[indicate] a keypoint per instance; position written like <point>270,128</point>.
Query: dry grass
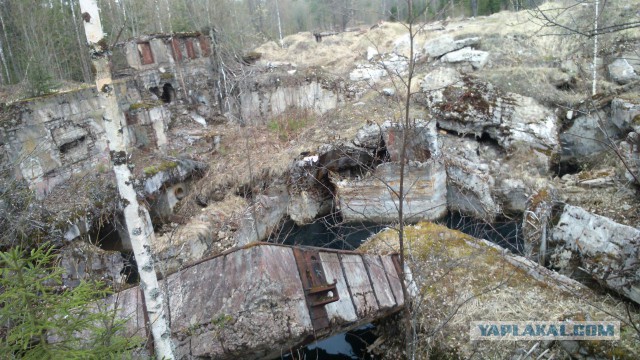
<point>461,277</point>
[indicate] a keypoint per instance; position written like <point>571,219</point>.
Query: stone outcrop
<point>83,261</point>
<point>589,134</point>
<point>463,279</point>
<point>476,58</point>
<point>446,44</point>
<point>373,195</point>
<point>475,107</point>
<point>630,149</point>
<point>271,93</point>
<point>469,189</point>
<point>625,114</point>
<point>606,250</point>
<point>517,146</point>
<point>622,72</point>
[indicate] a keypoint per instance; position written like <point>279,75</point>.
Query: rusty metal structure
<point>263,300</point>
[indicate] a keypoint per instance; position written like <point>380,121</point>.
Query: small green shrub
<point>40,82</point>
<point>154,169</point>
<point>42,320</point>
<point>289,125</point>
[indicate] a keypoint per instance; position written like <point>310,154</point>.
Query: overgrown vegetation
<point>290,124</point>
<point>40,319</point>
<point>164,166</point>
<point>40,81</point>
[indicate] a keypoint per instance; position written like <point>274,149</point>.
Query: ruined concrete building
<point>51,140</point>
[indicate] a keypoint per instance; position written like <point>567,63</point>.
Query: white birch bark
<point>279,24</point>
<point>136,217</point>
<point>8,45</point>
<point>4,63</point>
<point>595,48</point>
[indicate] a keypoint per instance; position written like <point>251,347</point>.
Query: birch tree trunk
<point>136,217</point>
<point>279,23</point>
<point>4,64</point>
<point>595,49</point>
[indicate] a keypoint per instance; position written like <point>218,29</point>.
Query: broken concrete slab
<point>445,44</point>
<point>373,198</point>
<point>477,58</point>
<point>606,250</point>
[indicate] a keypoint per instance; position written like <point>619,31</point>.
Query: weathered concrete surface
<point>608,251</point>
<point>476,58</point>
<point>49,139</point>
<point>270,94</point>
<point>445,44</point>
<point>373,199</point>
<point>84,261</point>
<point>250,302</point>
<point>470,106</point>
<point>461,279</point>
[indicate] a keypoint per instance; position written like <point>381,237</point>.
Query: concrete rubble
<point>607,251</point>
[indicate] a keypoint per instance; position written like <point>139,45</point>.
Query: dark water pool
<point>328,232</point>
<point>506,232</point>
<point>345,346</point>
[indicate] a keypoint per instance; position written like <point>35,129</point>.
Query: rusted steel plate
<point>199,287</point>
<point>378,278</point>
<point>175,46</point>
<point>250,302</point>
<point>341,311</point>
<point>359,285</point>
<point>129,306</point>
<point>316,288</point>
<point>146,56</point>
<point>191,52</point>
<point>205,47</point>
<point>265,300</point>
<point>394,279</point>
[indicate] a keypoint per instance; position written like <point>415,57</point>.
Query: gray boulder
<point>587,135</point>
<point>475,107</point>
<point>625,113</point>
<point>622,72</point>
<point>477,58</point>
<point>606,250</point>
<point>445,44</point>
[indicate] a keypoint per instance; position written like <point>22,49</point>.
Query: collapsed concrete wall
<point>49,139</point>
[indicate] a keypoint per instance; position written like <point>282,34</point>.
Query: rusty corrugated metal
<point>205,47</point>
<point>191,52</point>
<point>175,47</point>
<point>146,56</point>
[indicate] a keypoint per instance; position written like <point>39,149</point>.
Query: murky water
<point>328,232</point>
<point>332,233</point>
<point>504,231</point>
<point>345,346</point>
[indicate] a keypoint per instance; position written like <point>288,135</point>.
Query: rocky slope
<point>501,124</point>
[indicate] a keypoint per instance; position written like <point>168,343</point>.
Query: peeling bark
<point>136,217</point>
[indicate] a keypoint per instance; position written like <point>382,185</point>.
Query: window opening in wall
<point>146,56</point>
<point>204,46</point>
<point>175,46</point>
<point>168,93</point>
<point>191,52</point>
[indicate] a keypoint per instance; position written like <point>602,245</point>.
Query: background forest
<point>42,41</point>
